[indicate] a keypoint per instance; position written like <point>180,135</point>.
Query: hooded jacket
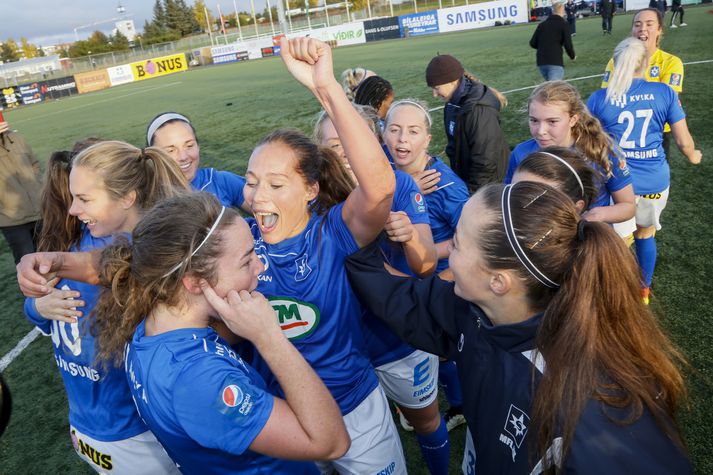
<point>495,367</point>
<point>477,148</point>
<point>20,182</point>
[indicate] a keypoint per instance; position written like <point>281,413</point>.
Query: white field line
<point>15,352</point>
<point>29,338</point>
<point>570,80</point>
<point>108,99</point>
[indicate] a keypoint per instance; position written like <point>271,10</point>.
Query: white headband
<point>564,162</point>
<point>160,120</point>
<point>411,103</point>
<point>205,239</point>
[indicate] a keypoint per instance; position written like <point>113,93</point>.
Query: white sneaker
<point>674,26</point>
<point>683,24</point>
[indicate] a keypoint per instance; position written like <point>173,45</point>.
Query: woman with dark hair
<point>564,169</point>
<point>563,368</point>
<point>190,261</point>
<point>377,93</point>
<point>477,147</point>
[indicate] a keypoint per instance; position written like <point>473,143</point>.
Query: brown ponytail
<point>598,339</point>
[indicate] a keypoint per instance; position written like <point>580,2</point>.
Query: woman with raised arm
<point>554,347</point>
<point>189,261</point>
<point>91,194</point>
<point>307,218</point>
<point>634,111</point>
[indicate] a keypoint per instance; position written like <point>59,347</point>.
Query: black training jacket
<point>477,147</point>
<point>549,38</point>
<point>495,367</point>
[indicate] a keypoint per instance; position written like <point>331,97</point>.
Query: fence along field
<point>263,98</point>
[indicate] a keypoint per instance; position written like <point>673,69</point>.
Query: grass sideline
<point>263,97</point>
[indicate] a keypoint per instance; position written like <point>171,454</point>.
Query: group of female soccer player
<point>193,340</point>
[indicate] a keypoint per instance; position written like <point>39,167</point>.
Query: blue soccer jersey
<point>445,205</point>
<point>202,402</point>
<point>306,282</point>
<point>227,186</point>
<point>100,404</point>
<point>636,123</point>
<point>618,179</point>
<point>382,344</point>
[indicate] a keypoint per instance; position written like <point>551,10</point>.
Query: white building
<point>126,27</point>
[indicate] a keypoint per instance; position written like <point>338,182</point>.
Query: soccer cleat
<point>645,295</point>
<point>683,24</point>
<point>405,424</point>
<point>454,417</point>
<point>674,26</point>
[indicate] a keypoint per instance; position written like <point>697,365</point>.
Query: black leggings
<point>678,12</point>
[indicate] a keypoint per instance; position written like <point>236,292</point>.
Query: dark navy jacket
<point>495,369</point>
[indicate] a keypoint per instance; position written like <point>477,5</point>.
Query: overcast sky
<point>48,22</point>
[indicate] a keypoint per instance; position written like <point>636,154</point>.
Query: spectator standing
<point>570,9</point>
<point>549,38</point>
<point>677,11</point>
<point>606,10</point>
<point>477,148</point>
<point>19,193</point>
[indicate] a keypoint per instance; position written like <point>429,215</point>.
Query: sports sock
<point>646,255</point>
<point>448,377</point>
<point>436,448</point>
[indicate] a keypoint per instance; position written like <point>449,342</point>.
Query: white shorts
<point>412,381</point>
<point>649,209</point>
<point>625,228</point>
<point>376,447</point>
<point>468,465</point>
<point>138,455</point>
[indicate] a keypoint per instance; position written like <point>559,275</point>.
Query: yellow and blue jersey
<point>663,67</point>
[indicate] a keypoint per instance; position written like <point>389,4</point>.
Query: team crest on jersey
<point>654,72</point>
<point>232,395</point>
<point>419,203</point>
<point>515,429</point>
<point>675,80</point>
<point>302,268</point>
<point>297,319</point>
<point>451,127</point>
<point>606,76</point>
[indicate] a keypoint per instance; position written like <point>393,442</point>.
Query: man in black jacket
<point>549,38</point>
<point>607,9</point>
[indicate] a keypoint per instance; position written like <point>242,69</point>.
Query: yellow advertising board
<point>155,67</point>
<point>92,81</point>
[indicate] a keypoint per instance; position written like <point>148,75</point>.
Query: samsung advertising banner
<point>382,29</point>
<point>481,15</point>
<point>418,24</point>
